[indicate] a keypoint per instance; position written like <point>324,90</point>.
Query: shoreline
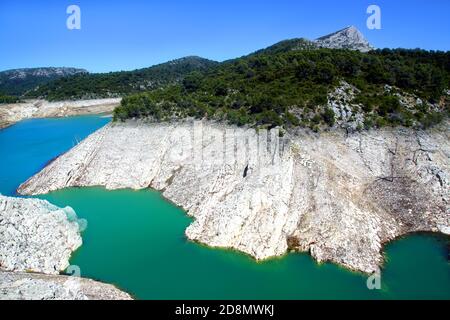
<point>36,109</point>
<point>38,239</point>
<point>198,190</point>
<point>437,234</point>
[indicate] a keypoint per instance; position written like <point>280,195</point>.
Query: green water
<point>135,239</point>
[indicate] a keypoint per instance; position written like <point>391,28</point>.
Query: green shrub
<point>329,117</point>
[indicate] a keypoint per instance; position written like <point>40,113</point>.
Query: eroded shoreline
<point>37,240</point>
<point>13,113</point>
<point>338,197</point>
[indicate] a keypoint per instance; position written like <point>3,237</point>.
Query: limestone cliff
<point>36,236</point>
<point>36,242</point>
<point>338,196</point>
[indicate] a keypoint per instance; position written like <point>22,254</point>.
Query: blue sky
<point>125,35</point>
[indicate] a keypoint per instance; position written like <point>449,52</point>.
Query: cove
<point>135,240</point>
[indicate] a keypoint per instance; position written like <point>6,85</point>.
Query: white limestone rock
<point>347,38</point>
<point>348,114</point>
<point>30,286</point>
<point>12,113</point>
<point>36,236</point>
<point>338,196</point>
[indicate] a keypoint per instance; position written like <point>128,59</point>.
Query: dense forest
<point>117,84</point>
<point>284,87</point>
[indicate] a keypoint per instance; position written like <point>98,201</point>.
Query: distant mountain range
<point>116,84</point>
<point>16,82</point>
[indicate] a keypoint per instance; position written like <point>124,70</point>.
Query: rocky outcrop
<point>36,242</point>
<point>339,196</point>
<point>347,38</point>
<point>12,113</point>
<point>28,286</point>
<point>36,236</point>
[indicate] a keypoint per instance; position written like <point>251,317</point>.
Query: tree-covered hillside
<point>8,99</point>
<point>281,86</point>
<point>115,84</point>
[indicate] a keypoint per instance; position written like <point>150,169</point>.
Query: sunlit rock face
<point>36,242</point>
<point>338,195</point>
<point>32,286</point>
<point>36,236</point>
<point>348,38</point>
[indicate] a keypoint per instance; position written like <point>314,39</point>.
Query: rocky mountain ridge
<point>347,38</point>
<point>16,82</point>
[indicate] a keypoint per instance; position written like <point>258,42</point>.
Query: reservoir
<point>135,239</point>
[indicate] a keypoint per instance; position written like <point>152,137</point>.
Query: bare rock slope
<point>36,236</point>
<point>36,242</point>
<point>29,286</point>
<point>339,197</point>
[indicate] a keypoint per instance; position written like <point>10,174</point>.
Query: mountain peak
<point>347,38</point>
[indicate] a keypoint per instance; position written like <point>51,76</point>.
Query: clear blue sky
<point>125,35</point>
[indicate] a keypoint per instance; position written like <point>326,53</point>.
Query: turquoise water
<point>27,146</point>
<point>135,239</point>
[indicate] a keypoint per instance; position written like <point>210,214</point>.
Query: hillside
<point>116,84</point>
<point>312,87</point>
<point>335,80</point>
<point>338,79</point>
<point>16,82</point>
